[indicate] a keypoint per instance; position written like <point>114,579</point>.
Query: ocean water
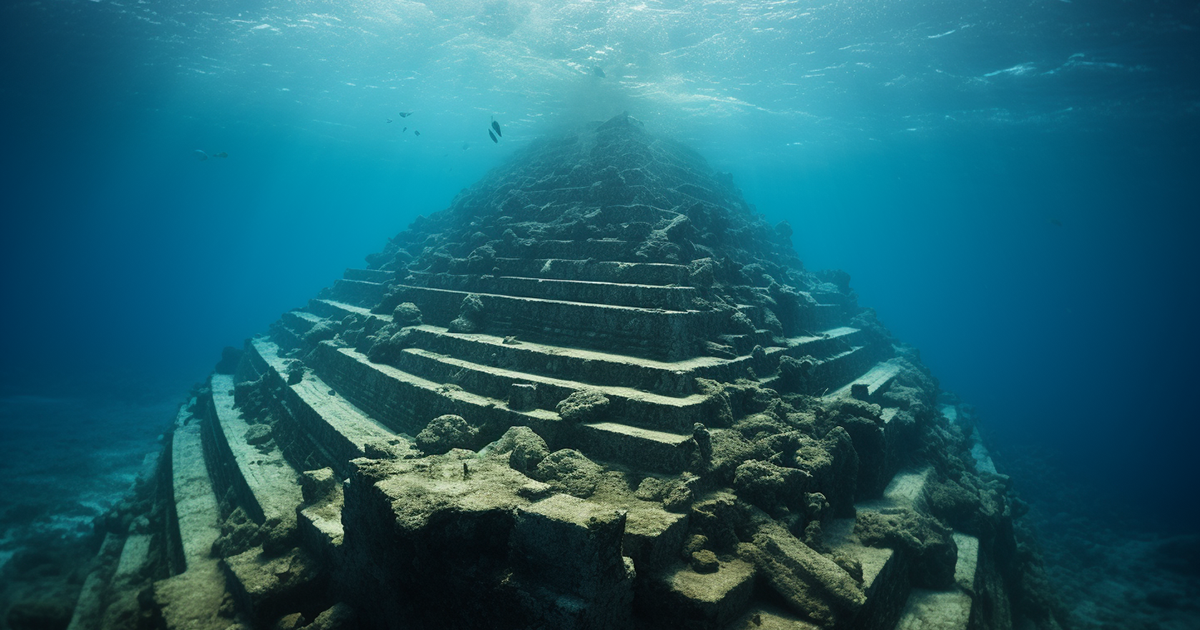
<point>1011,185</point>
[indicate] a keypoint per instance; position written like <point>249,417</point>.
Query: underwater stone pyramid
<point>598,392</point>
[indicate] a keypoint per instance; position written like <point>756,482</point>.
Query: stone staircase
<point>654,402</point>
<point>586,337</point>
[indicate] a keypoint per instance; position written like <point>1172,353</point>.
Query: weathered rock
<point>769,486</point>
<point>521,448</point>
<point>569,471</point>
<point>406,314</point>
<point>925,540</point>
<point>583,406</point>
<point>812,585</point>
<point>704,561</point>
<point>444,433</point>
<point>269,588</point>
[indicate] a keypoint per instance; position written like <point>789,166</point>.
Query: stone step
<point>870,385</point>
<point>588,366</point>
<point>885,572</point>
<point>831,373</point>
<point>587,291</point>
<point>599,249</point>
<point>672,378</point>
<point>661,274</point>
<point>825,343</point>
<point>191,598</point>
<point>356,292</point>
<point>659,451</point>
<point>405,403</point>
<point>884,579</point>
<point>905,490</point>
<point>766,616</point>
<point>658,334</point>
<point>335,310</point>
<point>378,276</point>
<point>297,324</point>
<point>326,427</point>
<point>591,366</point>
<point>626,405</point>
<point>821,316</point>
<point>653,536</point>
<point>699,601</point>
<point>271,487</point>
<point>950,609</point>
<point>594,367</point>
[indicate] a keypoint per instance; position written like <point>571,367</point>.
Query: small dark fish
<point>221,155</point>
<point>389,120</point>
<point>1056,222</point>
<point>598,72</point>
<point>416,133</point>
<point>405,114</point>
<point>496,126</point>
<point>493,137</point>
<point>404,129</point>
<point>466,146</point>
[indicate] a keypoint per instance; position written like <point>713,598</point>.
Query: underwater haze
<point>1012,186</point>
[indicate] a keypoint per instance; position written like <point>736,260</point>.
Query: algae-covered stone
<point>406,314</point>
<point>926,541</point>
<point>339,617</point>
<point>569,471</point>
<point>583,406</point>
<point>811,584</point>
<point>522,448</point>
<point>704,561</point>
<point>833,464</point>
<point>470,316</point>
<point>271,587</point>
<point>718,518</point>
<point>770,486</point>
<point>258,434</point>
<point>444,433</point>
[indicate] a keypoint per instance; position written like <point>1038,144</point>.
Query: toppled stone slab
<point>813,586</point>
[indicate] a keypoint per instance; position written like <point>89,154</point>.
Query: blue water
<point>1011,185</point>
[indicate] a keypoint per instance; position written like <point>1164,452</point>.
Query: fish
<point>598,72</point>
<point>200,155</point>
<point>405,114</point>
<point>493,136</point>
<point>416,133</point>
<point>1056,222</point>
<point>496,126</point>
<point>404,129</point>
<point>389,120</point>
<point>220,155</point>
<point>466,146</point>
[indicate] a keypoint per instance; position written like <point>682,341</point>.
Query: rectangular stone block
<point>680,597</point>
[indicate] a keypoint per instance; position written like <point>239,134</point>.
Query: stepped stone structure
<point>596,392</point>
